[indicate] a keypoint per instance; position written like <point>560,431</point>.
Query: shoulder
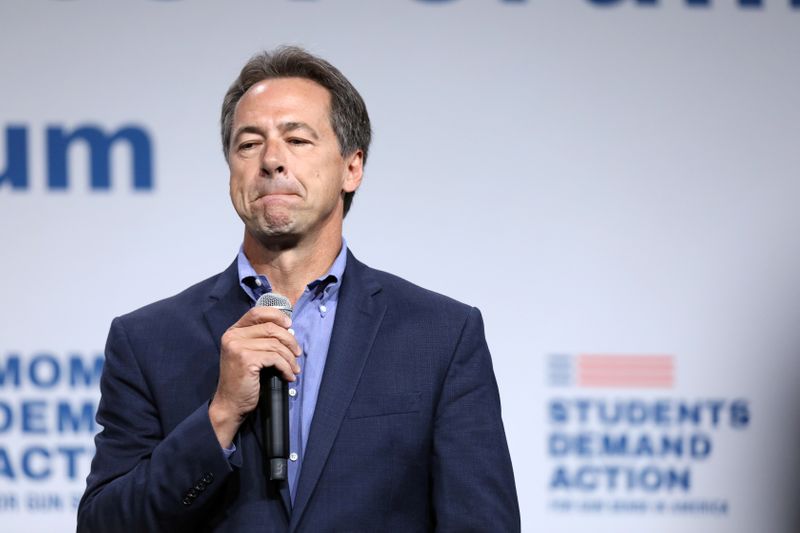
<point>188,303</point>
<point>407,293</point>
<point>409,299</point>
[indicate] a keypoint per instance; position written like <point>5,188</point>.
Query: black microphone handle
<point>273,402</point>
<point>274,406</point>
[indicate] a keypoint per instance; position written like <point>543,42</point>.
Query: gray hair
<point>349,118</point>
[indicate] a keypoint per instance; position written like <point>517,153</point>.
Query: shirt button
<point>293,456</point>
<point>258,282</point>
<point>292,392</point>
<point>323,308</point>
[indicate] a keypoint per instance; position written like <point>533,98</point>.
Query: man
<point>395,418</point>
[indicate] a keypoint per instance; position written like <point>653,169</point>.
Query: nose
<point>273,159</point>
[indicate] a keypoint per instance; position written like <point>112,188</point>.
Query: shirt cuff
<point>227,452</point>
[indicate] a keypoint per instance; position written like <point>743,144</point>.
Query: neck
<point>291,267</point>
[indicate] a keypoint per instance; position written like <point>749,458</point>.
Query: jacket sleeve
<point>141,479</point>
<point>472,479</point>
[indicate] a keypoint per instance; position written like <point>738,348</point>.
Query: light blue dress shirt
<point>312,322</point>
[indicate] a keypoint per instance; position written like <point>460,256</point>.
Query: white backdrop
<point>617,179</point>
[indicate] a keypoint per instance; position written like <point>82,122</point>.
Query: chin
<point>275,222</point>
<point>275,231</point>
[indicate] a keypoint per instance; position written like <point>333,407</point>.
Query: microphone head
<point>278,301</point>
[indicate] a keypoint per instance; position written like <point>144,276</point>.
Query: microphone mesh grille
<point>279,301</point>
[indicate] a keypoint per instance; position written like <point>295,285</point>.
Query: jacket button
<point>191,493</point>
<point>200,487</point>
<point>208,477</point>
<point>187,501</point>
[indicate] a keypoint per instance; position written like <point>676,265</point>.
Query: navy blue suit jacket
<point>407,434</point>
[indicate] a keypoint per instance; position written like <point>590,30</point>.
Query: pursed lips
<point>276,193</point>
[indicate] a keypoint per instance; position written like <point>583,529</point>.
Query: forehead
<point>286,98</point>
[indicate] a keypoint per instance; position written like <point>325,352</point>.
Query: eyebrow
<point>247,129</point>
<point>284,127</point>
<point>291,126</point>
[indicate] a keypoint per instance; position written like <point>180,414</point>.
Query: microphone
<point>273,402</point>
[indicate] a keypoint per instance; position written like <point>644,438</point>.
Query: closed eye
<point>248,145</point>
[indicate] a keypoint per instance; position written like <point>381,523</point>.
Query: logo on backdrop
<point>47,407</point>
<point>57,143</point>
<point>621,441</point>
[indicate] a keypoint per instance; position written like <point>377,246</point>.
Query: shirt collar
<point>254,284</point>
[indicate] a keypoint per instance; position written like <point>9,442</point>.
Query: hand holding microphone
<point>259,340</point>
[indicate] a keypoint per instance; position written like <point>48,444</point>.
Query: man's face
<point>287,172</point>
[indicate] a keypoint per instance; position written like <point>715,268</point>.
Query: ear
<point>354,171</point>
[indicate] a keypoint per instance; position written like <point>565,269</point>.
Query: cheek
<point>236,190</point>
<point>233,187</point>
<point>331,174</point>
<point>238,176</point>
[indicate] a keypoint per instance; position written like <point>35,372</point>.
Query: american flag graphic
<point>636,371</point>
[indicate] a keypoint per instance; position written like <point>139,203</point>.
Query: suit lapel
<point>359,314</point>
<point>228,302</point>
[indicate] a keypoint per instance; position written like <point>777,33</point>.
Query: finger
<point>261,315</point>
<point>271,330</point>
<point>274,360</point>
<point>238,352</point>
<point>262,347</point>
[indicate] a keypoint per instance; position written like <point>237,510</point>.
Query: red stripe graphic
<point>631,371</point>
